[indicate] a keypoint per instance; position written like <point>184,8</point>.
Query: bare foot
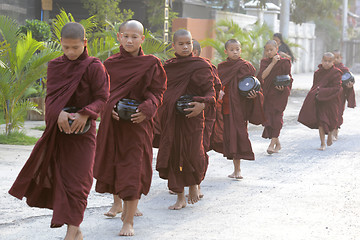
<point>127,230</point>
<point>193,194</point>
<point>114,210</point>
<point>79,235</point>
<point>172,192</point>
<point>277,148</point>
<point>201,195</point>
<point>236,175</point>
<point>138,213</point>
<point>335,134</point>
<point>270,150</point>
<point>180,202</point>
<point>322,147</point>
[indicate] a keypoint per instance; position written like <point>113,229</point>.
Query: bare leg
<point>201,195</point>
<point>237,171</point>
<point>277,146</point>
<point>115,208</point>
<point>193,194</point>
<point>271,148</point>
<point>329,141</point>
<point>138,213</point>
<point>128,222</point>
<point>124,211</point>
<point>73,233</point>
<point>180,202</point>
<point>335,134</point>
<point>322,138</point>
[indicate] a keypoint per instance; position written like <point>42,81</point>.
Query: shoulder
<point>112,58</point>
<point>56,61</point>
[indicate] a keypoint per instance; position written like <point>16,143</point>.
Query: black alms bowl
<point>183,103</point>
<point>75,110</point>
<point>126,107</point>
<point>248,84</point>
<point>347,77</point>
<point>282,80</point>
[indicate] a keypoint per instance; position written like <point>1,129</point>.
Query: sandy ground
<point>299,193</point>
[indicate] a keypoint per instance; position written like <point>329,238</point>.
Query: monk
<point>123,162</point>
<point>117,203</point>
<point>181,158</point>
<point>320,109</point>
<point>275,97</point>
<point>238,110</point>
<point>347,92</point>
<point>58,175</point>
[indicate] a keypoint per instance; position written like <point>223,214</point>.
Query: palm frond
<point>9,30</point>
<point>58,23</point>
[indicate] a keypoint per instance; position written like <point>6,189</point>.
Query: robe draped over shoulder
<point>58,174</point>
<point>123,162</point>
<point>275,101</point>
<point>347,94</point>
<point>181,157</point>
<point>238,110</point>
<point>321,105</point>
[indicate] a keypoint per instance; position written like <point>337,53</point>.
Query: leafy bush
<point>40,30</point>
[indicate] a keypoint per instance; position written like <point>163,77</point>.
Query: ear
<point>225,51</point>
<point>173,45</point>
<point>85,42</point>
<point>118,36</point>
<point>142,38</point>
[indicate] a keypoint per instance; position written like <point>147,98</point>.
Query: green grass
<point>17,138</point>
<point>40,128</point>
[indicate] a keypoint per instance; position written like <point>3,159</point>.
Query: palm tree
<point>22,61</point>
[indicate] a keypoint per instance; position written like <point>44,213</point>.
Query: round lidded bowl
<point>126,107</point>
<point>75,110</point>
<point>347,77</point>
<point>282,80</point>
<point>248,84</point>
<point>183,103</point>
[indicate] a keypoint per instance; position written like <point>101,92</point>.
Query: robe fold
<point>275,101</point>
<point>181,157</point>
<point>123,162</point>
<point>238,110</point>
<point>321,105</point>
<point>58,174</point>
<point>347,94</point>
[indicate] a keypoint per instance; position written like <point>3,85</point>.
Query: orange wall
<point>199,28</point>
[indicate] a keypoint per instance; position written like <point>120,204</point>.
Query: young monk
<point>182,159</point>
<point>321,106</point>
<point>275,97</point>
<point>347,92</point>
<point>238,110</point>
<point>117,203</point>
<point>58,174</point>
<point>123,162</point>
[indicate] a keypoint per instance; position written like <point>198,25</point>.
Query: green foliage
<point>252,41</point>
<point>155,12</point>
<point>24,62</point>
<point>304,11</point>
<point>157,47</point>
<point>331,33</point>
<point>107,10</point>
<point>40,128</point>
<point>40,30</point>
<point>17,138</point>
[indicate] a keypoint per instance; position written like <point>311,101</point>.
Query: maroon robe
<point>238,110</point>
<point>181,158</point>
<point>58,174</point>
<point>123,162</point>
<point>347,94</point>
<point>321,105</point>
<point>275,101</point>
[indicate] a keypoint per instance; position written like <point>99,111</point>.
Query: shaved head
<point>122,26</point>
<point>197,47</point>
<point>328,55</point>
<point>180,33</point>
<point>231,41</point>
<point>73,30</point>
<point>134,25</point>
<point>272,42</point>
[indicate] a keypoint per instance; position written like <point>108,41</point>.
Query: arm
<point>267,70</point>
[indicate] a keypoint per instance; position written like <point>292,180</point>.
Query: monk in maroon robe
<point>275,97</point>
<point>347,92</point>
<point>320,109</point>
<point>238,110</point>
<point>123,162</point>
<point>58,174</point>
<point>182,159</point>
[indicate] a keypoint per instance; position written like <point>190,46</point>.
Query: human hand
<point>275,59</point>
<point>138,117</point>
<point>115,115</point>
<point>221,94</point>
<point>79,122</point>
<point>280,88</point>
<point>195,110</point>
<point>252,94</point>
<point>63,122</point>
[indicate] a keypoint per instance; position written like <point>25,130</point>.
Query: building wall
<point>75,7</point>
<point>21,9</point>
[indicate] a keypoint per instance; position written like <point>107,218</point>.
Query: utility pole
<point>166,21</point>
<point>285,18</point>
<point>344,29</point>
